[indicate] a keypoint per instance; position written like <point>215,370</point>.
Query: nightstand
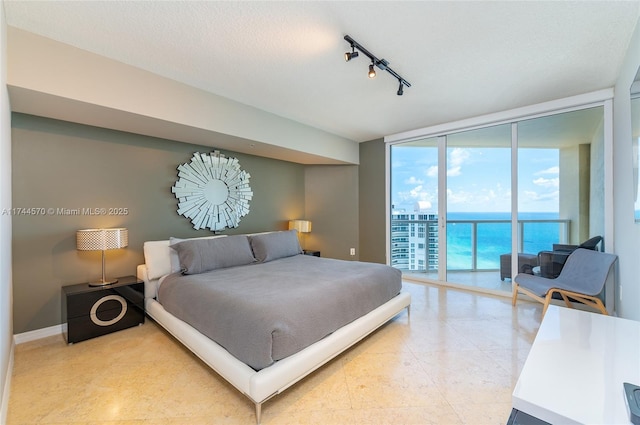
<point>309,252</point>
<point>92,311</point>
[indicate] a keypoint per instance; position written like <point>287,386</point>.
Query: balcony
<point>474,248</point>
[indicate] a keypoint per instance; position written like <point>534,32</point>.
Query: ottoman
<point>530,260</point>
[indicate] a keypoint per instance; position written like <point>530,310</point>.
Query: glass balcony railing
<point>472,245</point>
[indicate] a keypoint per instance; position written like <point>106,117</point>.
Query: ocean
<point>494,239</point>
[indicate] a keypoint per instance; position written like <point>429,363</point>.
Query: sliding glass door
<point>414,207</point>
<point>561,179</point>
<point>478,192</point>
<point>455,217</point>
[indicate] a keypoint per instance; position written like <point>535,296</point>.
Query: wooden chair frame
<point>593,302</point>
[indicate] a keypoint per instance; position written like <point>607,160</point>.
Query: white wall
<point>569,189</point>
<point>626,231</point>
<point>6,296</point>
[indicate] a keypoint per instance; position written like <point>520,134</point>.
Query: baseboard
<point>4,404</point>
<point>40,333</point>
<point>20,339</point>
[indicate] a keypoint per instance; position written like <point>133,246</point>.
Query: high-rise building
<point>414,241</point>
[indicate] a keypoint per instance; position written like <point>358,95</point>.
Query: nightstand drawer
<point>94,311</point>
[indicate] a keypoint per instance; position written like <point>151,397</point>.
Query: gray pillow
<point>173,254</point>
<point>274,245</point>
<point>202,255</point>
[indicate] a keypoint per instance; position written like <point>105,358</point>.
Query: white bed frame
<point>260,386</point>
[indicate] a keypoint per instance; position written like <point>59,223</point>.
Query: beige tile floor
<point>455,361</point>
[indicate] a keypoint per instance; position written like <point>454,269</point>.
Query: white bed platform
<point>260,386</point>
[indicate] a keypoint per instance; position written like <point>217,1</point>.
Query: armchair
<point>582,280</point>
<point>552,262</point>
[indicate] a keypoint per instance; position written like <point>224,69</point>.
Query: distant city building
<point>414,239</point>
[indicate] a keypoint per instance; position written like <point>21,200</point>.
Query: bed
<point>185,278</point>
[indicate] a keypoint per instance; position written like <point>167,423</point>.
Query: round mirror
<point>212,191</point>
<point>216,192</point>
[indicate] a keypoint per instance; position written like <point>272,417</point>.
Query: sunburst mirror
<point>212,191</point>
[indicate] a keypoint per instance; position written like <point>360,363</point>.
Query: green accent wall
<point>372,190</point>
<point>64,166</point>
<point>331,203</point>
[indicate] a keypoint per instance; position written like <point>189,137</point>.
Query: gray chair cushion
<point>585,272</point>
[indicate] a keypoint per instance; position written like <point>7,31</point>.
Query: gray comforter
<point>265,312</point>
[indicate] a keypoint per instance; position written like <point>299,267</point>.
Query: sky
<point>478,179</point>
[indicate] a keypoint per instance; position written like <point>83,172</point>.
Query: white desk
<point>576,367</point>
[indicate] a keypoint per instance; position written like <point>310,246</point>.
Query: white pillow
<point>161,259</point>
<point>157,258</point>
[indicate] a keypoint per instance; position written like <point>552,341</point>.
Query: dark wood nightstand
<point>92,311</point>
<point>309,252</point>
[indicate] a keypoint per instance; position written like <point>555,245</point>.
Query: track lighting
<point>372,72</point>
<point>380,63</point>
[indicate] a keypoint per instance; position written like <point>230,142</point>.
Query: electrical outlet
<point>352,251</point>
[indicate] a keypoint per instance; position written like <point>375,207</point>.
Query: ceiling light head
<point>350,55</point>
<point>372,71</point>
<point>400,92</point>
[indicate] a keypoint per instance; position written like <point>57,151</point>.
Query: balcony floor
<point>481,281</point>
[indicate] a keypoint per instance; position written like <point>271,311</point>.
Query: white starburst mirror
<point>212,191</point>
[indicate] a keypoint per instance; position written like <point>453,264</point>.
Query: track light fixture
<point>351,55</point>
<point>380,63</point>
<point>372,71</point>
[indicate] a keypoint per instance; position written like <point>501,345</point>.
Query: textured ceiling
<point>463,59</point>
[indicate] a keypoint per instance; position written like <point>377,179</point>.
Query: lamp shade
<point>101,239</point>
<point>302,226</point>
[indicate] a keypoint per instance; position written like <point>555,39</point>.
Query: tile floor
<point>455,361</point>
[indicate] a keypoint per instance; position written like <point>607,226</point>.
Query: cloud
<point>418,193</point>
<point>413,180</point>
<point>491,194</point>
<point>460,197</point>
<point>453,172</point>
<point>415,192</point>
<point>535,196</point>
<point>541,181</point>
<point>551,170</point>
<point>457,157</point>
<point>486,199</point>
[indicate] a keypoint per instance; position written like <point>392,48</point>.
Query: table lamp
<point>102,240</point>
<point>302,226</point>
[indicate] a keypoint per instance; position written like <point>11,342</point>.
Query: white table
<point>576,368</point>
